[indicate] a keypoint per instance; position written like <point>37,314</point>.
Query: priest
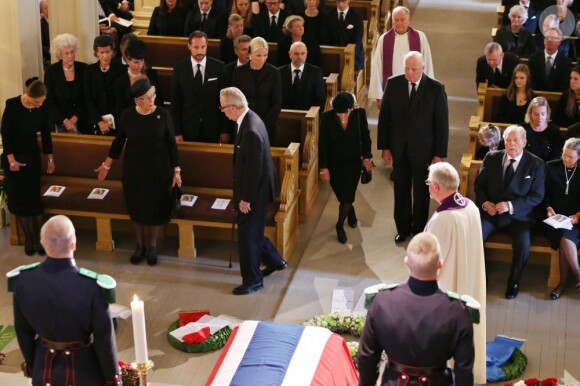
<point>391,47</point>
<point>456,224</point>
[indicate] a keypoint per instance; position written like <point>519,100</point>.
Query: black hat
<point>135,49</point>
<point>140,87</point>
<point>104,41</point>
<point>342,102</point>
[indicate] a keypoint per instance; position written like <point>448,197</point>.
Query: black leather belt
<point>62,346</point>
<point>416,371</point>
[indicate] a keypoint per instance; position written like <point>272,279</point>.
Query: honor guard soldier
<point>419,327</point>
<point>61,315</point>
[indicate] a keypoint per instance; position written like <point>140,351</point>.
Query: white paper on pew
<point>119,311</point>
<point>98,194</point>
<point>214,323</point>
<point>54,191</point>
<point>220,203</point>
<point>188,199</point>
<point>342,300</point>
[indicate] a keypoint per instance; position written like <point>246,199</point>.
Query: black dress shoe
<point>270,270</point>
<point>151,256</point>
<point>341,234</point>
<point>138,255</point>
<point>400,237</point>
<point>245,289</point>
<point>512,290</point>
<point>352,221</point>
<point>557,292</point>
<point>28,248</point>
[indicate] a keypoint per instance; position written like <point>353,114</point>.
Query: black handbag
<point>366,176</point>
<point>174,201</point>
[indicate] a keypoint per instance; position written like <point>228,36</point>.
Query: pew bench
<point>77,156</point>
<point>502,240</point>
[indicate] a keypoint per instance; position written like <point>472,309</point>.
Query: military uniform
<point>63,326</point>
<point>419,327</point>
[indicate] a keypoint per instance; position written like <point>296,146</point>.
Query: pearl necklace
<point>131,75</point>
<point>145,112</point>
<point>68,69</point>
<point>103,69</point>
<point>568,179</point>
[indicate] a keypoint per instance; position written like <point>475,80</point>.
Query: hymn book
<point>559,221</point>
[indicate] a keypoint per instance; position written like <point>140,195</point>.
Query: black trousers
<point>253,247</point>
<point>520,233</point>
<point>411,195</point>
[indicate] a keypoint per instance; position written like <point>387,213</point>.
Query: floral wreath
<point>515,366</point>
<point>212,343</point>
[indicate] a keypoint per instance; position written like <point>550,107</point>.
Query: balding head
<point>298,54</point>
<point>57,236</point>
<point>423,257</point>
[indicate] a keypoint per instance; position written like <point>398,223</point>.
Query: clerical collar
<point>453,201</point>
<point>422,287</point>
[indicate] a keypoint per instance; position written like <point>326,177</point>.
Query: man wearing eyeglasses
<point>255,187</point>
<point>269,24</point>
<point>549,68</point>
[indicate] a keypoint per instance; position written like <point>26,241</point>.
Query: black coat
<point>559,78</point>
<point>192,108</point>
<point>170,24</point>
<point>332,34</point>
<point>310,90</point>
<point>99,89</point>
<point>485,74</point>
<point>215,26</point>
<point>261,25</point>
<point>263,90</point>
<point>523,47</point>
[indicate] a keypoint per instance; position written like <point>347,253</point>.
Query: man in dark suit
<point>61,315</point>
<point>242,51</point>
<point>507,202</point>
<point>413,132</point>
<point>195,89</point>
<point>268,25</point>
<point>255,187</point>
<point>302,83</point>
<point>550,69</point>
<point>207,19</point>
<point>495,67</point>
<point>342,26</point>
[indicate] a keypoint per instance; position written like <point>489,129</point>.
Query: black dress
<point>339,151</point>
<point>562,203</point>
<point>170,24</point>
<point>312,25</point>
<point>561,117</point>
<point>19,129</point>
<point>150,153</point>
<point>99,88</point>
<point>546,144</point>
<point>510,112</point>
<point>227,54</point>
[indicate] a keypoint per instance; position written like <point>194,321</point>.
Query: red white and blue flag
<point>274,354</point>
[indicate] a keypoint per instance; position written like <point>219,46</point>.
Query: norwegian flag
<point>272,354</point>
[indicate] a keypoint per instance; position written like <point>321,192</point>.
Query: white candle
<point>139,334</point>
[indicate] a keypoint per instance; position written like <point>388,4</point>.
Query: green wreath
<point>515,366</point>
<point>340,323</point>
<point>212,343</point>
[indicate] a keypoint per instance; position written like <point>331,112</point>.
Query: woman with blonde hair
<point>543,137</point>
<point>294,32</point>
<point>242,8</point>
<point>235,30</point>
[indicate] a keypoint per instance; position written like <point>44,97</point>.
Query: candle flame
<point>135,297</point>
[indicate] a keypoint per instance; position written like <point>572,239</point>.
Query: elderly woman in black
<point>150,167</point>
<point>563,197</point>
<point>64,81</point>
<point>514,37</point>
<point>25,116</point>
<point>543,137</point>
<point>344,133</point>
<point>99,86</point>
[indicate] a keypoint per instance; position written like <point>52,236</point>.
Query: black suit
<point>484,73</point>
<point>261,24</point>
<point>254,182</point>
<point>559,78</point>
<point>309,91</point>
<point>263,90</point>
<point>65,100</point>
<point>215,27</point>
<point>195,112</point>
<point>414,133</point>
<point>525,192</point>
<point>332,33</point>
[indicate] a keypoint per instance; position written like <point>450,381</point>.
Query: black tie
<point>198,78</point>
<point>296,77</point>
<point>203,20</point>
<point>509,174</point>
<point>413,93</point>
<point>273,29</point>
<point>496,76</point>
<point>548,65</point>
<point>341,18</point>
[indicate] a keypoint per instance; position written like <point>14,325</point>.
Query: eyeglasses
<point>222,108</point>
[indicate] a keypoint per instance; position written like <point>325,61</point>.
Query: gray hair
<point>519,10</point>
<point>62,41</point>
<point>257,43</point>
<point>492,48</point>
<point>490,133</point>
<point>56,236</point>
<point>234,96</point>
<point>558,32</point>
<point>518,129</point>
<point>572,144</point>
<point>423,255</point>
<point>413,54</point>
<point>399,9</point>
<point>241,39</point>
<point>444,175</point>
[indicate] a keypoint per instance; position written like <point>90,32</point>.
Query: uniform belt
<point>416,371</point>
<point>61,346</point>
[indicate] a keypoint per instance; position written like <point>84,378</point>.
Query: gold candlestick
<point>142,369</point>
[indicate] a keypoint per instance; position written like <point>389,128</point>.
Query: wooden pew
<point>165,52</point>
<point>488,101</point>
<point>502,240</point>
<point>500,11</point>
<point>77,155</point>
